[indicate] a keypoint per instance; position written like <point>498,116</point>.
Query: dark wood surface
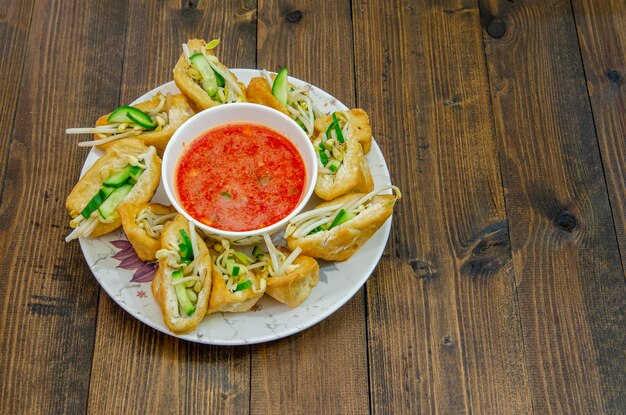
<point>502,287</point>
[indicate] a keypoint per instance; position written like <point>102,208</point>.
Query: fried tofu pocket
<point>143,224</point>
<point>342,166</point>
<point>182,283</point>
<point>169,113</point>
<point>335,230</point>
<point>205,80</point>
<point>128,173</point>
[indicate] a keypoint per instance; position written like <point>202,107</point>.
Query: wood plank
<point>157,373</point>
<point>15,21</point>
<point>321,54</point>
<point>443,325</point>
<point>565,254</point>
<point>47,296</point>
<point>603,46</point>
<point>182,375</point>
<point>322,370</point>
<point>602,42</point>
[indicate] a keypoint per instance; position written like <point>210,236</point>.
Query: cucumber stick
<point>323,156</point>
<point>338,129</point>
<point>280,89</point>
<point>141,120</point>
<point>181,294</point>
<point>96,201</point>
<point>186,250</point>
<point>257,252</point>
<point>135,172</point>
<point>128,174</point>
<point>134,115</point>
<point>221,82</point>
<point>119,178</point>
<point>243,285</point>
<point>334,165</point>
<point>232,268</point>
<point>208,81</point>
<point>123,176</point>
<point>342,217</point>
<point>107,208</point>
<point>334,125</point>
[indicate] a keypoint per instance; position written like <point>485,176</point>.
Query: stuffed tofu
<point>290,276</point>
<point>359,126</point>
<point>143,224</point>
<point>236,286</point>
<point>276,92</point>
<point>153,122</point>
<point>201,76</point>
<point>342,167</point>
<point>182,283</point>
<point>335,230</point>
<point>128,173</point>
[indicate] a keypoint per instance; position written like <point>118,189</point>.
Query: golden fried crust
<point>144,244</point>
<point>293,288</point>
<point>163,289</point>
<point>115,158</point>
<point>260,92</point>
<point>178,112</point>
<point>224,301</point>
<point>352,176</point>
<point>188,86</point>
<point>359,127</point>
<point>341,242</point>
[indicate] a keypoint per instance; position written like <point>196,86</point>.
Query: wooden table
<point>501,289</point>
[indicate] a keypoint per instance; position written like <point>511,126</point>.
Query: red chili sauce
<point>240,177</point>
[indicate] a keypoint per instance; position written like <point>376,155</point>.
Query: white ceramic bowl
<point>236,113</point>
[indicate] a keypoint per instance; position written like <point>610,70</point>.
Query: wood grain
<point>443,327</point>
<point>156,373</point>
<point>502,286</point>
<point>47,295</point>
<point>570,283</point>
<point>313,41</point>
<point>14,29</point>
<point>300,374</point>
<point>162,27</point>
<point>15,21</point>
<point>602,42</point>
<point>603,47</point>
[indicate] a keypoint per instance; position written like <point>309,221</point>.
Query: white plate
<point>126,279</point>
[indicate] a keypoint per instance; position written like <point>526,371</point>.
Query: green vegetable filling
<point>113,191</point>
<point>184,301</point>
<point>242,286</point>
<point>342,217</point>
<point>128,114</point>
<point>186,250</point>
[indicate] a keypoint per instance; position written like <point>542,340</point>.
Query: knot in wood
<point>452,102</point>
<point>496,28</point>
<point>448,340</point>
<point>423,270</point>
<point>190,4</point>
<point>294,16</point>
<point>566,221</point>
<point>615,77</point>
<point>491,252</point>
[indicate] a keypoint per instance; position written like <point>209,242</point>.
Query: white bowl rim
<point>311,176</point>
